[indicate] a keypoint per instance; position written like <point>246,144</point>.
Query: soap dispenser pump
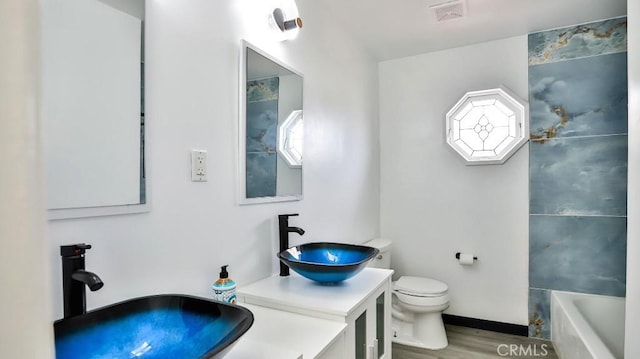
<point>224,289</point>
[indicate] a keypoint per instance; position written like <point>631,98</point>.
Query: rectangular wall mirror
<point>271,129</point>
<point>93,107</point>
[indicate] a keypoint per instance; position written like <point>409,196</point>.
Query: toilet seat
<point>421,287</point>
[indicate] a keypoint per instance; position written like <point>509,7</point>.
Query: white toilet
<point>417,306</point>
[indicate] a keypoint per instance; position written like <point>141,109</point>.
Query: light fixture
<point>285,25</point>
<point>285,21</point>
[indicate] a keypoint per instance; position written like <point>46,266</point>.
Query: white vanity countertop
<point>282,335</point>
<point>301,295</point>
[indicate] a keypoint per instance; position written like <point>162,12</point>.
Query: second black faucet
<point>284,230</point>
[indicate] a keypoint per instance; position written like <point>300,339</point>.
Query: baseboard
<point>499,327</point>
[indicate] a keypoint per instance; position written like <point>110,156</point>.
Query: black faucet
<point>283,221</point>
<point>74,278</point>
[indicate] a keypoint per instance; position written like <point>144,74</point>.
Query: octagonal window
<point>488,126</point>
<point>290,138</point>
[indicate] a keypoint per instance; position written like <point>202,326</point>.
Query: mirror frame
<point>242,130</point>
<point>98,211</point>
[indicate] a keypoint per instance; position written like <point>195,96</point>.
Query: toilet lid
<point>419,286</point>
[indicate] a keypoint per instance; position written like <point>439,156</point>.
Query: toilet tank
<point>383,260</point>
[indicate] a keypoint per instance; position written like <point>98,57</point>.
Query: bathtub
<point>587,326</point>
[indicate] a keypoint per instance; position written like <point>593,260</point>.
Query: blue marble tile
<point>540,313</point>
<point>263,90</point>
<point>261,134</point>
<point>578,254</point>
<point>262,126</point>
<point>579,176</point>
<point>597,38</point>
<point>580,97</point>
<point>261,175</point>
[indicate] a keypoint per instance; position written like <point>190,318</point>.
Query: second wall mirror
<point>271,127</point>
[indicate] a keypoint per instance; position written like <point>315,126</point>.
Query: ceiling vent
<point>449,10</point>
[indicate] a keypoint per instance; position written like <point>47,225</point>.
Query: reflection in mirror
<point>93,107</point>
<point>271,129</point>
<point>291,135</point>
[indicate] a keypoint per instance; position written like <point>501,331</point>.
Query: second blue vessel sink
<point>327,262</point>
<point>160,326</point>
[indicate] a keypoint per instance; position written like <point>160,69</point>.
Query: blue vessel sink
<point>327,262</point>
<point>160,326</point>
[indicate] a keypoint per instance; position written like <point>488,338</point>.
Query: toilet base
<point>413,342</point>
<point>427,332</point>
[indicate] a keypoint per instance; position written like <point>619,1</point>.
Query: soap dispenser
<point>224,289</point>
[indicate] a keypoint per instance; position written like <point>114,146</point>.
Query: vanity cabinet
<point>368,331</point>
<point>362,303</point>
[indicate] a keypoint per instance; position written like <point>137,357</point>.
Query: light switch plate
<point>198,165</point>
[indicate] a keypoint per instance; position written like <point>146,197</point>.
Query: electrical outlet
<point>198,165</point>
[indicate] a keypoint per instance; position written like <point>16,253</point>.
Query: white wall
<point>432,205</point>
<point>192,58</point>
<point>25,306</point>
<point>632,320</point>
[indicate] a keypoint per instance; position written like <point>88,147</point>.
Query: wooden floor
<point>469,343</point>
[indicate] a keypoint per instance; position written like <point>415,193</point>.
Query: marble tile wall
<point>262,128</point>
<point>578,164</point>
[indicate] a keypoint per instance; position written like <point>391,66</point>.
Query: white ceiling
<point>399,28</point>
